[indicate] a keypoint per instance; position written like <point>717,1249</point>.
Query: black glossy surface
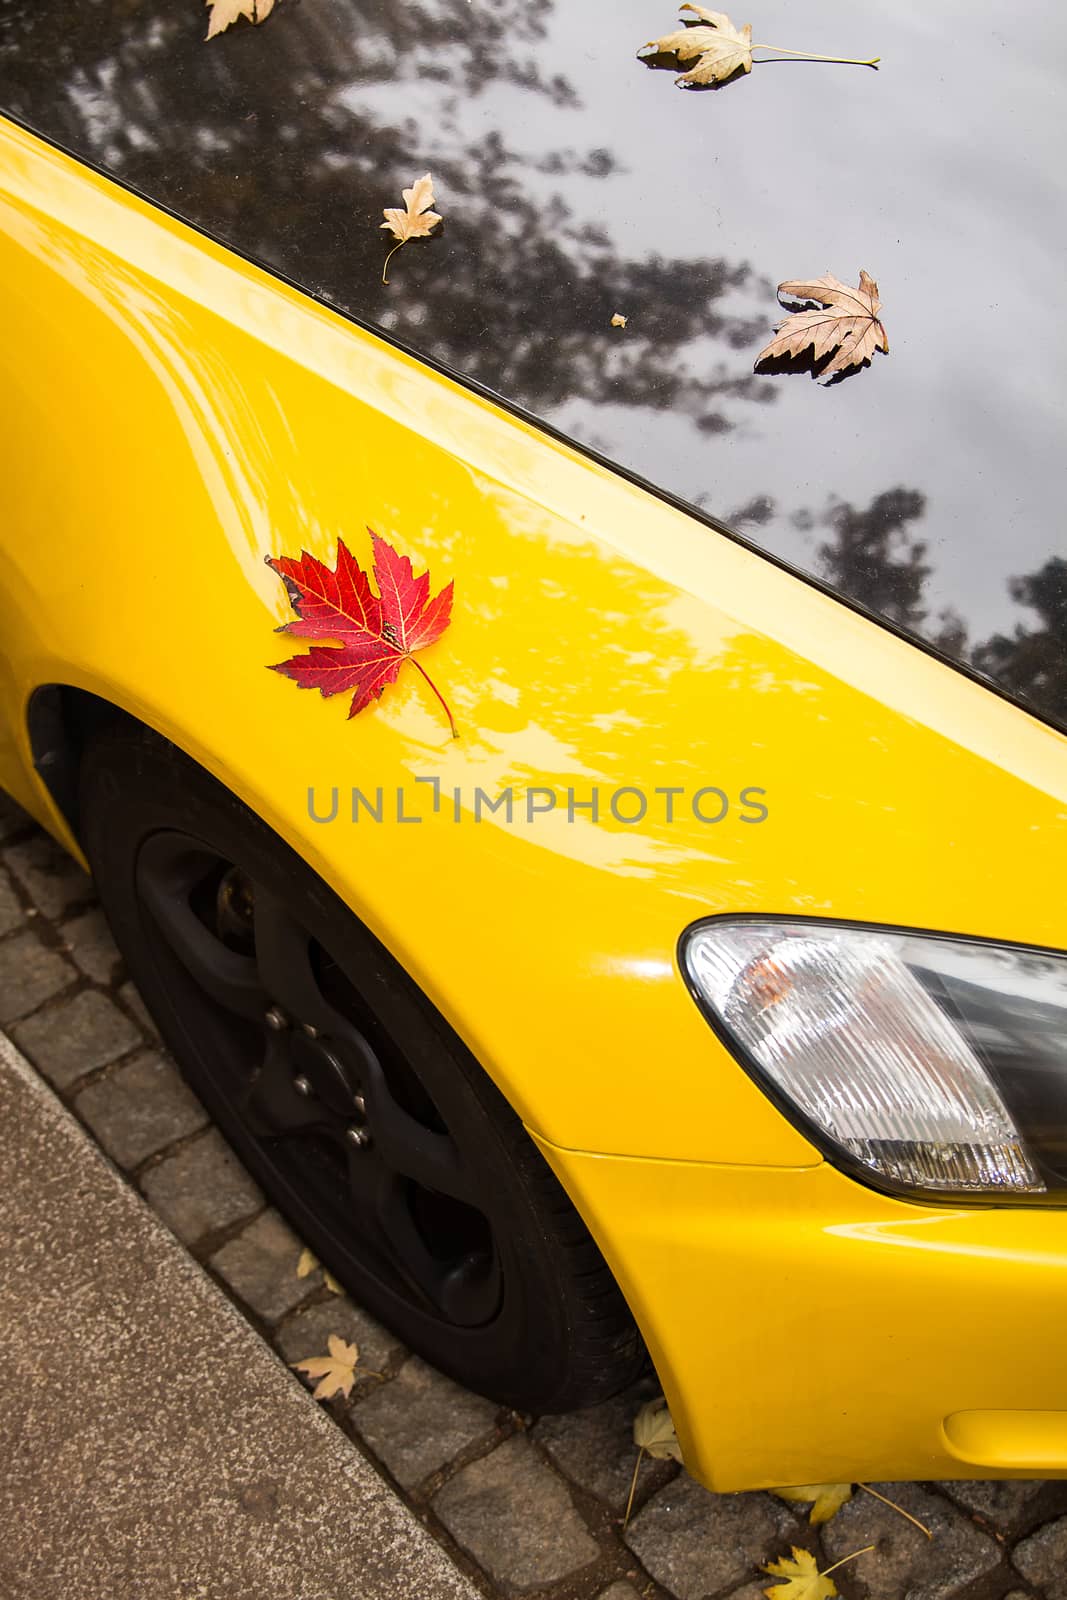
<point>576,182</point>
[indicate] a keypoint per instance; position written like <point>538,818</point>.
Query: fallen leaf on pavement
<point>654,1436</point>
<point>828,1498</point>
<point>803,1580</point>
<point>618,320</point>
<point>654,1431</point>
<point>336,1372</point>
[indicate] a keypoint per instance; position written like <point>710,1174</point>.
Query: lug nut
<point>276,1019</point>
<point>358,1136</point>
<point>360,1104</point>
<point>302,1085</point>
<point>311,1031</point>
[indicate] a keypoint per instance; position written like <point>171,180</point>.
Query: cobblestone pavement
<point>525,1506</point>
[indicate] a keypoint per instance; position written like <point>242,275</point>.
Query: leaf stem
<point>633,1486</point>
<point>386,262</point>
<point>865,1551</point>
<point>887,1502</point>
<point>805,55</point>
<point>429,680</point>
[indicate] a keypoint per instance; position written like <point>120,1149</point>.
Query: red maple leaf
<point>377,632</point>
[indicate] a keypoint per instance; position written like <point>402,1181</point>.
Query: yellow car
<point>705,995</point>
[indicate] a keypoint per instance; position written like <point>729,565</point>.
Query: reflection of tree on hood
<point>1033,661</point>
<point>279,140</point>
<point>287,140</point>
<point>875,558</point>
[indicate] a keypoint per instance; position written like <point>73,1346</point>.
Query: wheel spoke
<point>166,875</point>
<point>386,1195</point>
<point>401,1184</point>
<point>406,1145</point>
<point>283,956</point>
<point>466,1292</point>
<point>272,1104</point>
<point>283,953</point>
<point>470,1291</point>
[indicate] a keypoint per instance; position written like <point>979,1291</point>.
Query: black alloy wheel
<point>344,1091</point>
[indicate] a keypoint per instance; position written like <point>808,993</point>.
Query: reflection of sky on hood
<point>939,174</point>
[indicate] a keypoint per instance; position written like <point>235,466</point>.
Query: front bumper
<point>806,1329</point>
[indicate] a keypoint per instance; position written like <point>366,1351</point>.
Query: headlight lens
<point>929,1065</point>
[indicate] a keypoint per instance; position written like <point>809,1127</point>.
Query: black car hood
<point>577,182</point>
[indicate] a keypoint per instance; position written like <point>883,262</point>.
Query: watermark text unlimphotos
<point>516,806</point>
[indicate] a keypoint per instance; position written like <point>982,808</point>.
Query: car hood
<point>577,183</point>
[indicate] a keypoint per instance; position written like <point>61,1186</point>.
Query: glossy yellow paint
<point>172,415</point>
<point>807,1330</point>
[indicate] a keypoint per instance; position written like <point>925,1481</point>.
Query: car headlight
<point>927,1065</point>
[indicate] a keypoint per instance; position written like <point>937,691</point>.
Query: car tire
<point>344,1091</point>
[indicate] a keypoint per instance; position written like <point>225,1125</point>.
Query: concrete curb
<point>156,1448</point>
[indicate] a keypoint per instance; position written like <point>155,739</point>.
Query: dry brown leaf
<point>722,49</point>
<point>336,1372</point>
<point>416,221</point>
<point>654,1436</point>
<point>307,1265</point>
<point>827,1498</point>
<point>846,328</point>
<point>618,320</point>
<point>654,1431</point>
<point>803,1580</point>
<point>226,12</point>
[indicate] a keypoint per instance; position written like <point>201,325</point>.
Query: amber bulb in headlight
<point>930,1065</point>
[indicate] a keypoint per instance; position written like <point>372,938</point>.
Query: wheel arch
<point>60,721</point>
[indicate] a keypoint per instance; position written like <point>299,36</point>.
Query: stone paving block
<point>52,879</point>
<point>131,999</point>
<point>305,1333</point>
<point>512,1513</point>
<point>140,1108</point>
<point>29,974</point>
<point>1042,1559</point>
<point>904,1562</point>
<point>420,1421</point>
<point>1003,1503</point>
<point>619,1591</point>
<point>11,914</point>
<point>200,1188</point>
<point>88,938</point>
<point>696,1543</point>
<point>595,1449</point>
<point>75,1036</point>
<point>260,1266</point>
